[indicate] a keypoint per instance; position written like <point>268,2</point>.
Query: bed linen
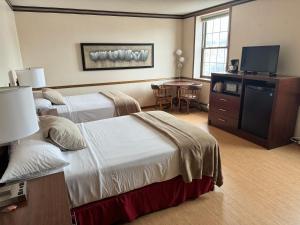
<point>198,150</point>
<point>87,107</point>
<point>126,153</point>
<point>124,104</point>
<point>128,206</point>
<point>123,154</point>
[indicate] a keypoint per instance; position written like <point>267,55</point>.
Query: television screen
<point>260,58</point>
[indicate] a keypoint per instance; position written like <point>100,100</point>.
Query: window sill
<point>203,79</point>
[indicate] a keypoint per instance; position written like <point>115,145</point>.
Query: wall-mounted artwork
<point>110,56</point>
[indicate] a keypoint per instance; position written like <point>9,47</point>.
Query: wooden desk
<point>178,84</point>
<point>47,204</point>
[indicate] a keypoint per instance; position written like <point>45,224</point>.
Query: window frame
<point>204,27</point>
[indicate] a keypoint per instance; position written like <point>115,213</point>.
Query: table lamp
<point>34,77</point>
<point>18,117</point>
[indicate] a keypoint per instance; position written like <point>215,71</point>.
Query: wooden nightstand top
<point>43,112</point>
<point>47,203</point>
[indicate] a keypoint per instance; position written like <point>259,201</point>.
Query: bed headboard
<point>3,159</point>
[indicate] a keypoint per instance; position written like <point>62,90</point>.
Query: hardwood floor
<point>261,187</point>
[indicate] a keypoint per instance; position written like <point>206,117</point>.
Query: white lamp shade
<point>181,59</point>
<point>18,117</point>
<point>33,77</point>
<point>179,52</point>
<point>12,78</point>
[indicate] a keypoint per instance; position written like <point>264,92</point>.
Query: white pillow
<point>33,158</point>
<point>42,103</point>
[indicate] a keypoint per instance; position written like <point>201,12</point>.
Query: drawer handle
<point>223,110</point>
<point>221,120</point>
<point>223,99</point>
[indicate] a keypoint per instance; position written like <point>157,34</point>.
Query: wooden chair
<point>189,94</point>
<point>163,95</point>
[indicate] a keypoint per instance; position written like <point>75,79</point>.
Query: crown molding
<point>92,12</point>
<point>216,8</point>
<point>9,4</point>
<point>20,8</point>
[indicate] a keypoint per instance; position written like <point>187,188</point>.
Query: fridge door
<point>257,109</point>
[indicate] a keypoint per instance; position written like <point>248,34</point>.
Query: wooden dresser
<point>226,109</point>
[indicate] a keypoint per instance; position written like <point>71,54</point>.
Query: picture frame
<point>116,56</point>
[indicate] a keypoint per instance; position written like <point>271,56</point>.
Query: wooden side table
<point>47,203</point>
<point>44,112</point>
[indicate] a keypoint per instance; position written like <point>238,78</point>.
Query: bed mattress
<point>87,107</point>
<point>123,154</point>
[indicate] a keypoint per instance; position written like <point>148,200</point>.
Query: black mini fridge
<point>257,108</point>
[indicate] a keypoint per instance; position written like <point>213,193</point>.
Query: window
<point>214,44</point>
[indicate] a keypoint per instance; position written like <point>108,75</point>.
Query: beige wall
<point>52,41</point>
<point>262,22</point>
<point>188,46</point>
<point>10,56</point>
<point>188,53</point>
<point>266,22</point>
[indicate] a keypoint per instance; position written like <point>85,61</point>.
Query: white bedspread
<point>87,107</point>
<point>123,154</point>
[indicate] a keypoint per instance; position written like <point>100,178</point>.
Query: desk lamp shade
<point>18,117</point>
<point>33,77</point>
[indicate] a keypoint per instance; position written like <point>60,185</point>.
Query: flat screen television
<point>260,59</point>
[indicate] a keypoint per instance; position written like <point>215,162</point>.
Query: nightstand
<point>43,112</point>
<point>47,203</point>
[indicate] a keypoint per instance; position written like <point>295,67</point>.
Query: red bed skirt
<point>128,206</point>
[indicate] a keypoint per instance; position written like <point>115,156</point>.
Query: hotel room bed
<point>86,107</point>
<point>95,106</point>
<point>130,168</point>
<point>127,163</point>
<point>123,154</point>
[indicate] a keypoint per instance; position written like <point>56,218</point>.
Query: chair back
<point>190,92</point>
<point>154,86</point>
<point>157,90</point>
<point>161,91</point>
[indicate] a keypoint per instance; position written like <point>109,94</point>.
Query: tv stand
<point>226,111</point>
<point>256,73</point>
<point>250,73</point>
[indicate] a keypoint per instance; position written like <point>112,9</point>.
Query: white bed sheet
<point>86,107</point>
<point>123,154</point>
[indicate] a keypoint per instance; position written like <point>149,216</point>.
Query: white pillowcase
<point>33,158</point>
<point>42,103</point>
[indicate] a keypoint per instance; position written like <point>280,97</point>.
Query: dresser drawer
<point>225,100</point>
<point>225,105</point>
<point>225,111</point>
<point>223,121</point>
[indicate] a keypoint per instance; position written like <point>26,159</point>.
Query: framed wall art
<point>112,56</point>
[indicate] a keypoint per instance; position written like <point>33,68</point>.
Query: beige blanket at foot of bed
<point>124,104</point>
<point>199,151</point>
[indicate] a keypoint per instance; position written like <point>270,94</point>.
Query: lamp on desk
<point>18,117</point>
<point>34,77</point>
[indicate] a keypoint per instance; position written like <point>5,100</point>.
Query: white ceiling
<point>145,6</point>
